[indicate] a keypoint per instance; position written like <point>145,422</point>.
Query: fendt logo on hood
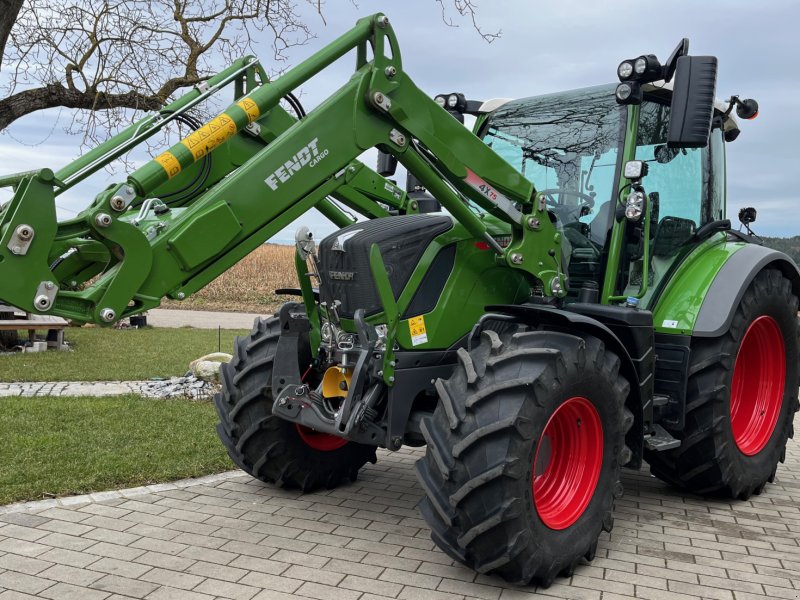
<point>308,155</point>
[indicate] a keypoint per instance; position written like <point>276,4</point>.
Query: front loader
<point>534,339</point>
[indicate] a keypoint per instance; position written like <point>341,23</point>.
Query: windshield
<point>567,145</point>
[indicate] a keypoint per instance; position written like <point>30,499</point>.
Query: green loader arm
<point>134,246</point>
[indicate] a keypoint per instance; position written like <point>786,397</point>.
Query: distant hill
<point>790,246</point>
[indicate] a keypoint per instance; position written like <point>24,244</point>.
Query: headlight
<point>452,100</point>
<point>634,206</point>
<point>635,169</point>
<point>624,91</point>
<point>440,100</point>
<point>625,70</point>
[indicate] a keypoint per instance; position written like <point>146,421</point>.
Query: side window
<point>676,174</point>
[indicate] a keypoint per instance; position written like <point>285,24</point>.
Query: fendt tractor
<point>534,339</point>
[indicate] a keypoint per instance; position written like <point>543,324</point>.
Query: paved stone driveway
<point>239,539</point>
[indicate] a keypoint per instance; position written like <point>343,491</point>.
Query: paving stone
<point>23,564</point>
<point>260,565</point>
<point>22,547</point>
<point>167,561</point>
<point>326,575</point>
<point>114,551</point>
<point>125,586</point>
<point>226,573</point>
<point>226,589</point>
<point>123,568</point>
<point>279,583</point>
<point>184,581</point>
<point>69,557</point>
<point>67,591</point>
<point>170,593</point>
<point>326,592</point>
<point>71,575</point>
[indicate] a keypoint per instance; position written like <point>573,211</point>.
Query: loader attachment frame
<point>288,168</point>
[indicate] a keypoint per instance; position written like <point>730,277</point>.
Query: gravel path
<point>200,319</point>
<point>174,387</point>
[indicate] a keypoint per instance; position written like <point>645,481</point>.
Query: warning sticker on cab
<point>419,334</point>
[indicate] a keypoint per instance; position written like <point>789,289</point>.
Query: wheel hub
<point>324,442</point>
<point>759,376</point>
<point>567,463</point>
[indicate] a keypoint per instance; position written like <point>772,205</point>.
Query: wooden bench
<point>34,323</point>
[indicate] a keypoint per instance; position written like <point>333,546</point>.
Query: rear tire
<point>739,413</point>
<point>487,500</point>
<point>268,447</point>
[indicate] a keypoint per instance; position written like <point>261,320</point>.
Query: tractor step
<point>660,440</point>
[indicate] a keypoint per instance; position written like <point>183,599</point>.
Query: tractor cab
<point>572,146</point>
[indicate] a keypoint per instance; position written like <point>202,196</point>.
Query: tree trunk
<point>55,94</point>
<point>9,9</point>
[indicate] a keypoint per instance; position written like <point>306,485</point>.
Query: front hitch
<point>297,402</point>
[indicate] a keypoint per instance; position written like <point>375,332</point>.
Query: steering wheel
<point>552,201</point>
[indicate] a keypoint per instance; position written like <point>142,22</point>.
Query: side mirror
<point>747,109</point>
<point>387,164</point>
<point>692,102</point>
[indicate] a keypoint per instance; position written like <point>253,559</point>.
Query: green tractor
<point>534,339</point>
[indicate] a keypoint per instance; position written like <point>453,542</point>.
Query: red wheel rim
<point>324,442</point>
<point>757,387</point>
<point>567,463</point>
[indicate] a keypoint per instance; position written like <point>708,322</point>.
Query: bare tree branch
<point>110,59</point>
<point>468,9</point>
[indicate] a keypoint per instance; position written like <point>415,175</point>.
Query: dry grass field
<point>250,285</point>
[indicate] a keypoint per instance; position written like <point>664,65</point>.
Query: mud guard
<point>728,287</point>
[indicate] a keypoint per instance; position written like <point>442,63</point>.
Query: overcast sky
<point>546,47</point>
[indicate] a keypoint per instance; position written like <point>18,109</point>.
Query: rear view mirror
<point>692,102</point>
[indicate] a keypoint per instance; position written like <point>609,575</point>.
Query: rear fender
<point>728,287</point>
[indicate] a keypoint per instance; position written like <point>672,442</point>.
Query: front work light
<point>634,206</point>
<point>625,70</point>
<point>629,92</point>
<point>647,68</point>
<point>455,102</point>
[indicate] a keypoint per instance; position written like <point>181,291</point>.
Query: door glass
<point>678,186</point>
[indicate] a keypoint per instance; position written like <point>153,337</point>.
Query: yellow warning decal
<point>250,108</point>
<point>209,136</point>
<point>419,334</point>
<point>171,164</point>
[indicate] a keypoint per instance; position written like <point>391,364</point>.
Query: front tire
<point>519,416</point>
<point>741,398</point>
<point>268,447</point>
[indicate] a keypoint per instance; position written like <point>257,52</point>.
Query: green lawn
<point>62,446</point>
<point>117,354</point>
